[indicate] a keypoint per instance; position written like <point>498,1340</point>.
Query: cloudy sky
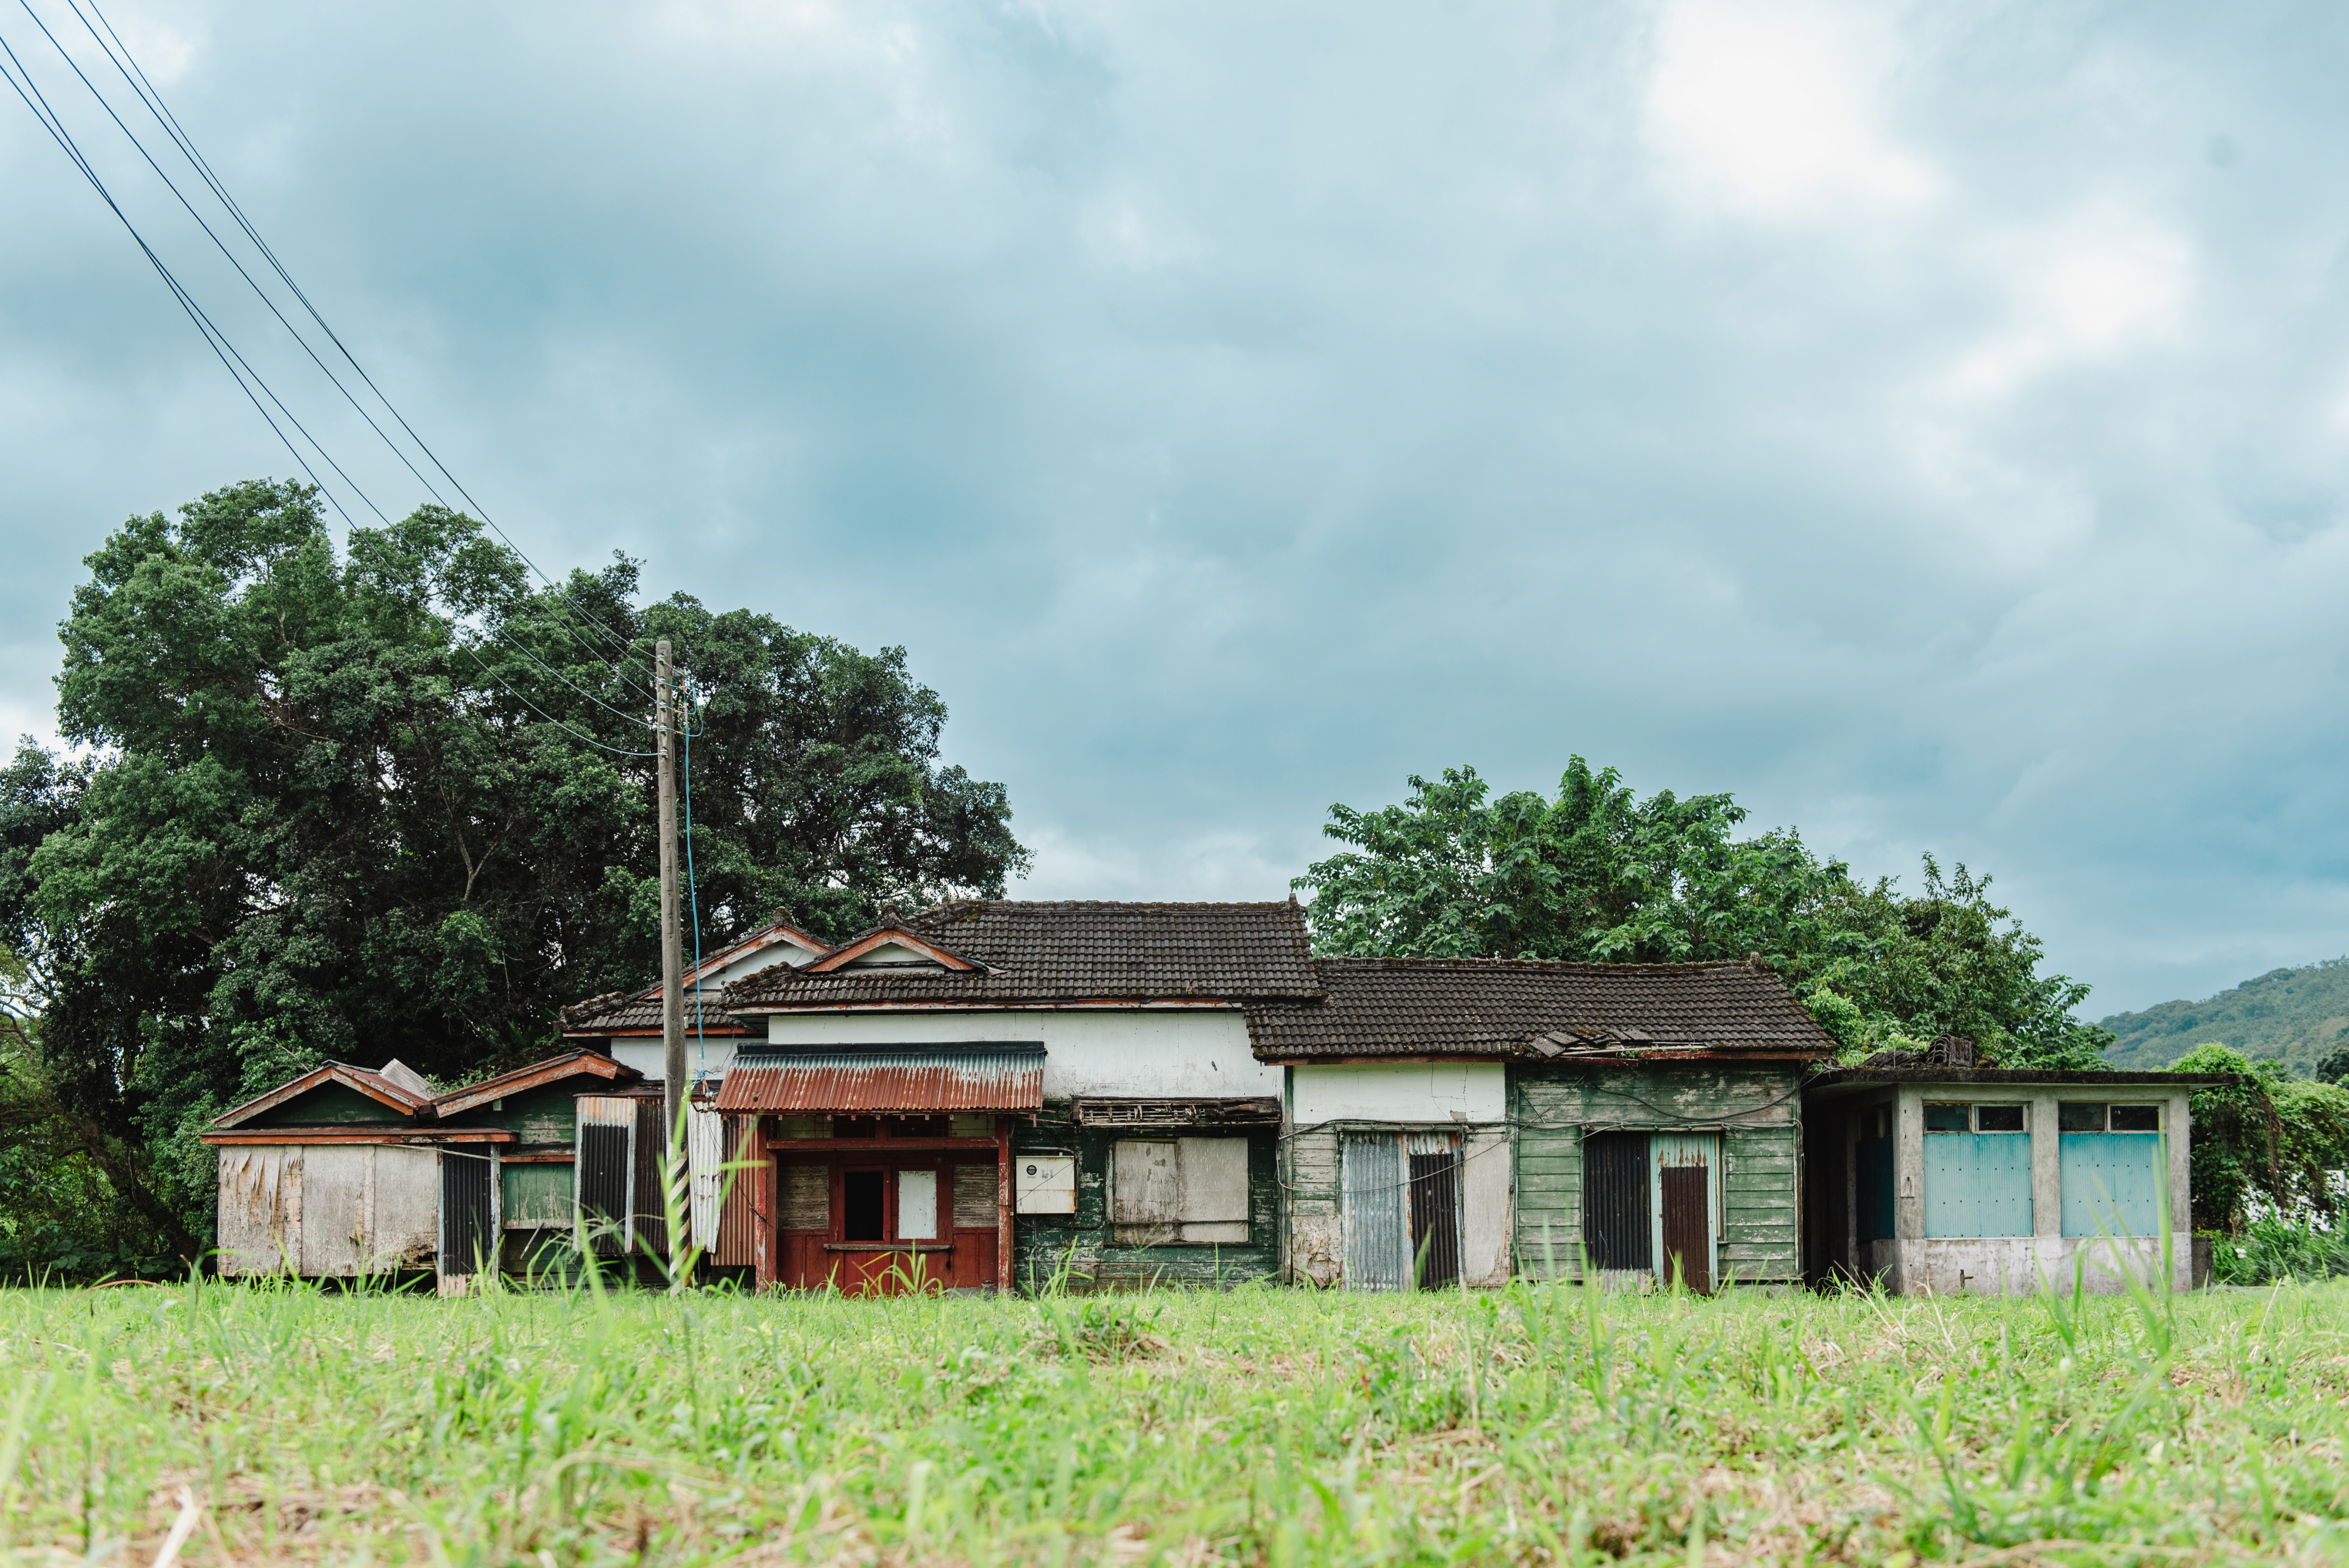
<point>1929,423</point>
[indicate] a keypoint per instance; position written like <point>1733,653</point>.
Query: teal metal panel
<point>2112,1183</point>
<point>1977,1184</point>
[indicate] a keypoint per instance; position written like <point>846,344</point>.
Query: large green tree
<point>391,800</point>
<point>1600,875</point>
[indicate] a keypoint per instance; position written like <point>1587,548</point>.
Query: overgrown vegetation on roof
<point>1258,1427</point>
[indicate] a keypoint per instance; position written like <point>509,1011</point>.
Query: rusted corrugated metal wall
<point>648,1210</point>
<point>1686,1206</point>
<point>1378,1232</point>
<point>901,1079</point>
<point>469,1217</point>
<point>738,1227</point>
<point>1615,1201</point>
<point>1435,1214</point>
<point>606,1171</point>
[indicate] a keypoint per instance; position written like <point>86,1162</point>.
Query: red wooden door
<point>883,1226</point>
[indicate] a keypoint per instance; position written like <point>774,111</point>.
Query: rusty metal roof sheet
<point>990,1074</point>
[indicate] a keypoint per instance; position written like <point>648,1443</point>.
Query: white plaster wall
<point>1398,1092</point>
<point>751,962</point>
<point>1122,1053</point>
<point>644,1054</point>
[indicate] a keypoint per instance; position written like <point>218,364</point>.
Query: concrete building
<point>1959,1180</point>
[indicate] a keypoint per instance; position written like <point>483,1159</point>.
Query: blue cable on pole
<point>693,902</point>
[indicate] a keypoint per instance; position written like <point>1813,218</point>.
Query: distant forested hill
<point>2294,1015</point>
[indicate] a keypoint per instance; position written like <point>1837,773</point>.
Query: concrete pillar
<point>2046,1169</point>
<point>1908,1165</point>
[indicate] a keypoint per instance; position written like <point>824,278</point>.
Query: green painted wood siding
<point>537,1197</point>
<point>1043,1243</point>
<point>1758,1107</point>
<point>329,1105</point>
<point>547,1114</point>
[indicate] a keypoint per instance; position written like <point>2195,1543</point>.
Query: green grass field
<point>1261,1426</point>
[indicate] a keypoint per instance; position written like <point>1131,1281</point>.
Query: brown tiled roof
<point>1037,951</point>
<point>624,1014</point>
<point>1538,1012</point>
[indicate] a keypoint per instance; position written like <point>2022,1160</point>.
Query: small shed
<point>1955,1181</point>
<point>533,1211</point>
<point>347,1172</point>
<point>334,1175</point>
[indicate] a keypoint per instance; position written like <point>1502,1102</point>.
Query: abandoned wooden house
<point>1522,1118</point>
<point>990,1094</point>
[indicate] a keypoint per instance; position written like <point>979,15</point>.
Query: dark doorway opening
<point>1616,1207</point>
<point>864,1205</point>
<point>1435,1218</point>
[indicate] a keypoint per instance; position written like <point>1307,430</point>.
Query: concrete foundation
<point>2021,1265</point>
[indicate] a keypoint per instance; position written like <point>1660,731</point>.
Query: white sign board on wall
<point>1044,1184</point>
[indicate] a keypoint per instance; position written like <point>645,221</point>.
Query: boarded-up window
<point>468,1214</point>
<point>806,1198</point>
<point>537,1197</point>
<point>917,1205</point>
<point>974,1197</point>
<point>972,1125</point>
<point>1616,1200</point>
<point>1174,1190</point>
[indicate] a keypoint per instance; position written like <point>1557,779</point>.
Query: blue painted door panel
<point>1977,1184</point>
<point>2112,1183</point>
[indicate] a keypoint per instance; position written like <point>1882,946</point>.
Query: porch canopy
<point>886,1080</point>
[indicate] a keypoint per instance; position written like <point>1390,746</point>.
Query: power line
<point>227,352</point>
<point>154,100</point>
<point>213,338</point>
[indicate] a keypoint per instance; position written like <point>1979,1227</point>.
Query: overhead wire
<point>156,106</point>
<point>248,379</point>
<point>35,100</point>
<point>126,65</point>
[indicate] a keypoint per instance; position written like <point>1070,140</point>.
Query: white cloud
<point>2095,285</point>
<point>1769,106</point>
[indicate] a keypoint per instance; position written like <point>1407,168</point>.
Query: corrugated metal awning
<point>895,1079</point>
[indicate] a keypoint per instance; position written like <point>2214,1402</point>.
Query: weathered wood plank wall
<point>1317,1242</point>
<point>1085,1241</point>
<point>1757,1108</point>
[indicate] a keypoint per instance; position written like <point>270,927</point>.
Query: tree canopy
<point>1600,875</point>
<point>2266,1142</point>
<point>394,800</point>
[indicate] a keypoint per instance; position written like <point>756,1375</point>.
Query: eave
<point>359,1134</point>
<point>1124,1004</point>
<point>570,1064</point>
<point>372,1084</point>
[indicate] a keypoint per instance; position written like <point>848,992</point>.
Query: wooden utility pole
<point>673,1084</point>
